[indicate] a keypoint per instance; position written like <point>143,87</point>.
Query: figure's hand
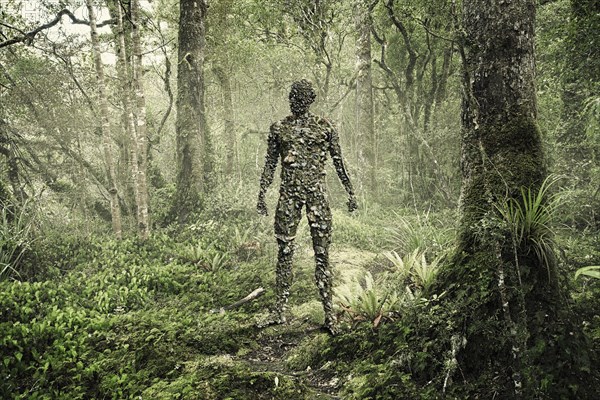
<point>352,204</point>
<point>261,206</point>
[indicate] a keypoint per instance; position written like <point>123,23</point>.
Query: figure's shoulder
<point>277,125</point>
<point>323,121</point>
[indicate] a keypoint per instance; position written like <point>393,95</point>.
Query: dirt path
<point>291,350</point>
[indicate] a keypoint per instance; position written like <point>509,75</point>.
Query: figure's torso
<point>304,144</point>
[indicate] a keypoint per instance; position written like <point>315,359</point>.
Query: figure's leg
<point>319,217</point>
<point>284,277</point>
<point>287,218</point>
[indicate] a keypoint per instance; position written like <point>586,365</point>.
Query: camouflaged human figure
<point>302,141</point>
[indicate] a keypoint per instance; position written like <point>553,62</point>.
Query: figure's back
<point>304,144</point>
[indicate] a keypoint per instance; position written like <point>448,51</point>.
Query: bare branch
<point>27,37</point>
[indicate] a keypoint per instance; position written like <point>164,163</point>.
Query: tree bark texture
<point>140,135</point>
<point>124,76</point>
<point>191,129</point>
<point>229,125</point>
<point>501,145</point>
<point>115,208</point>
<point>364,92</point>
<point>193,146</point>
<point>508,295</point>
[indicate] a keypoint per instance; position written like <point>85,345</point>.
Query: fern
<point>530,219</point>
<point>591,271</point>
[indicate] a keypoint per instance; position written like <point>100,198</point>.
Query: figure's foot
<point>272,319</point>
<point>330,327</point>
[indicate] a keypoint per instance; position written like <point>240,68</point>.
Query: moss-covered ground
<point>98,318</point>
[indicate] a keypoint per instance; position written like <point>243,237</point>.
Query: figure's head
<point>302,95</point>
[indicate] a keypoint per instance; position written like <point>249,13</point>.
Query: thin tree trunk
<point>364,92</point>
<point>124,75</point>
<point>141,134</point>
<point>115,208</point>
<point>229,126</point>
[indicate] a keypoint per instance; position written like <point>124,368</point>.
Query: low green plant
<point>424,272</point>
<point>15,237</point>
<point>206,256</point>
<point>193,253</point>
<point>530,219</point>
<point>591,271</point>
<point>427,231</point>
<point>401,265</point>
<point>218,261</point>
<point>370,302</point>
<point>414,267</point>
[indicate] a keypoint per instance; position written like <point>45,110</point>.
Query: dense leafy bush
<point>107,318</point>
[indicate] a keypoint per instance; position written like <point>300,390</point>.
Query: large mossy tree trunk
<point>193,145</point>
<point>504,296</point>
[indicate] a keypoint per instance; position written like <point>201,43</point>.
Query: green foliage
<point>591,112</point>
<point>112,318</point>
<point>530,220</point>
<point>415,268</point>
<point>16,238</point>
<point>308,353</point>
<point>369,302</point>
<point>361,230</point>
<point>592,271</point>
<point>434,232</point>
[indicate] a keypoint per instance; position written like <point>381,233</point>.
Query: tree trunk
<point>229,126</point>
<point>193,147</point>
<point>140,134</point>
<point>124,76</point>
<point>501,145</point>
<point>504,294</point>
<point>364,92</point>
<point>115,208</point>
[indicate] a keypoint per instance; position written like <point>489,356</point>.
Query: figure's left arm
<point>335,151</point>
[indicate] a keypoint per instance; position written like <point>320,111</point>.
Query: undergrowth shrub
<point>45,347</point>
<point>432,231</point>
<point>361,230</point>
<point>16,238</point>
<point>109,318</point>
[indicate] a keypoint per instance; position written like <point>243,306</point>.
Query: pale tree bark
<point>127,93</point>
<point>221,68</point>
<point>115,208</point>
<point>194,163</point>
<point>228,121</point>
<point>364,92</point>
<point>141,134</point>
<point>124,76</point>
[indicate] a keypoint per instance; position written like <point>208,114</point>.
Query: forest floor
<point>281,348</point>
<point>124,319</point>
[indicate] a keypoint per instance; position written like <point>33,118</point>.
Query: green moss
<point>308,353</point>
<point>220,378</point>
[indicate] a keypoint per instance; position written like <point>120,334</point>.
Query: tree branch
<point>256,293</point>
<point>28,37</point>
<point>412,54</point>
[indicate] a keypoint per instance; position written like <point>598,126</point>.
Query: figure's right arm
<point>269,170</point>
